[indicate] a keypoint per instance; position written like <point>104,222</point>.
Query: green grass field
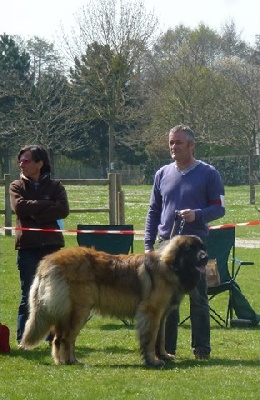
<point>113,368</point>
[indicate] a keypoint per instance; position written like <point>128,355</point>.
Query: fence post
<point>118,190</point>
<point>121,207</point>
<point>8,211</point>
<point>120,201</point>
<point>112,198</point>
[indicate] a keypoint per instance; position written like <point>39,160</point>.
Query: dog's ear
<point>168,253</point>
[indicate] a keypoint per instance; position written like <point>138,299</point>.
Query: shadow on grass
<point>131,326</point>
<point>115,327</point>
<point>229,328</point>
<point>81,351</point>
<point>39,355</point>
<point>214,362</point>
<point>184,364</point>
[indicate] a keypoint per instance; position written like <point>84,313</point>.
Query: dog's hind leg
<point>56,348</point>
<point>61,345</point>
<point>63,350</point>
<point>78,320</point>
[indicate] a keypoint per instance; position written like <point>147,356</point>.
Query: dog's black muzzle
<point>202,262</point>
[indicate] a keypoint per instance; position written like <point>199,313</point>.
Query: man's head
<point>181,144</point>
<point>186,129</point>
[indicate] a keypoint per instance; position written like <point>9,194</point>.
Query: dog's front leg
<point>147,324</point>
<point>160,343</point>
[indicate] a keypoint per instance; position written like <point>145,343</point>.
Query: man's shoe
<point>201,353</point>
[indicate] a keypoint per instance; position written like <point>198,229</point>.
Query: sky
<point>44,18</point>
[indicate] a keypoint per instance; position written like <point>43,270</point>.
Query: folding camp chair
<point>221,247</point>
<point>113,243</point>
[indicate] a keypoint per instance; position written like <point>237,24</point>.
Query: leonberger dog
<point>71,283</point>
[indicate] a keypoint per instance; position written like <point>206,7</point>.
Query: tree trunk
<point>5,164</point>
<point>251,177</point>
<point>52,160</point>
<point>111,160</point>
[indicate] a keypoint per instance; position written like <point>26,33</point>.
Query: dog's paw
<point>166,357</point>
<point>152,361</point>
<point>155,363</point>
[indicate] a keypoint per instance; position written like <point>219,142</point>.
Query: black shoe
<point>201,353</point>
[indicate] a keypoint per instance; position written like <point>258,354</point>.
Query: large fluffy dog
<point>72,282</point>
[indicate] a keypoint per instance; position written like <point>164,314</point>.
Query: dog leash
<point>182,223</point>
<point>181,226</point>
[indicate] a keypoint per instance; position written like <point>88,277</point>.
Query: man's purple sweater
<point>200,189</point>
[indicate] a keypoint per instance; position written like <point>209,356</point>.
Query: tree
<point>35,101</point>
<point>110,100</point>
<point>183,86</point>
<point>12,59</point>
<point>44,58</point>
<point>47,115</point>
<point>232,44</point>
<point>242,92</point>
<point>184,83</point>
<point>114,35</point>
<point>14,71</point>
<point>191,81</point>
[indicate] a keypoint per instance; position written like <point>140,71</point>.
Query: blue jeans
<point>200,320</point>
<point>27,262</point>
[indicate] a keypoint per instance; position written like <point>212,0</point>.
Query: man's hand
<point>148,250</point>
<point>188,215</point>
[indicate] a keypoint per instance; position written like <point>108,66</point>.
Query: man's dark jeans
<point>200,319</point>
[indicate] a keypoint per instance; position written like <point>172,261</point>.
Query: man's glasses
<point>24,161</point>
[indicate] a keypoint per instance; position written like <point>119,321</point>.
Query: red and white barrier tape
<point>73,231</point>
<point>120,232</point>
<point>252,223</point>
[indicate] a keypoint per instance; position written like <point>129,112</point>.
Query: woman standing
<point>38,202</point>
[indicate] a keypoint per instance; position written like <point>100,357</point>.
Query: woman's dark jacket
<point>38,205</point>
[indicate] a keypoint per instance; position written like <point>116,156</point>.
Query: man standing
<point>195,190</point>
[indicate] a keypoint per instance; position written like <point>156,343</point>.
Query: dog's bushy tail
<point>38,324</point>
<point>48,303</point>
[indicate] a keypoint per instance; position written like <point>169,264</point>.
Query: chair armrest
<point>247,263</point>
<point>240,263</point>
